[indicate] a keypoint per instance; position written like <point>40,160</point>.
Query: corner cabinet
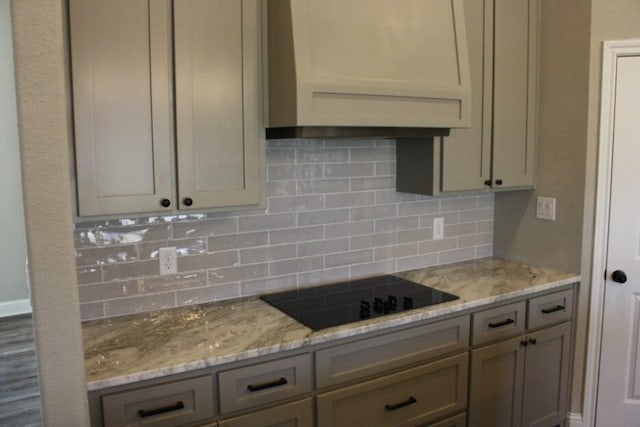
<point>167,104</point>
<point>498,150</point>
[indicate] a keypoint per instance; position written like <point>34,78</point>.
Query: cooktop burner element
<point>345,302</point>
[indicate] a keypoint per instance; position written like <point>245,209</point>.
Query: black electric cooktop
<point>351,301</point>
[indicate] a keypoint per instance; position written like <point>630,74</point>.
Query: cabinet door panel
<point>496,384</point>
<point>466,153</point>
<point>121,93</point>
<point>514,88</point>
<point>546,376</point>
<point>217,58</point>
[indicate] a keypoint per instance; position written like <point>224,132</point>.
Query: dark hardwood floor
<point>19,387</point>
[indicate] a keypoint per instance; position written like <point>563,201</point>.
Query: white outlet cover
<point>168,259</point>
<point>438,228</point>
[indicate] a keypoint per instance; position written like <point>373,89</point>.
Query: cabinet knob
<point>187,201</point>
<point>487,183</point>
<point>524,343</point>
<point>498,182</point>
<point>533,341</point>
<point>165,203</point>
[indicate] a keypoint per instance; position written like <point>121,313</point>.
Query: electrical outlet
<point>438,228</point>
<point>168,261</point>
<point>546,208</point>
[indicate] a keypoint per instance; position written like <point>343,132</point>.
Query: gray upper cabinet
<point>498,150</point>
<point>151,135</point>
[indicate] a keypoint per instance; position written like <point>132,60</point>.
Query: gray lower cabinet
<point>410,398</point>
<point>422,375</point>
<point>521,381</point>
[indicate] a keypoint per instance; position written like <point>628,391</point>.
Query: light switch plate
<point>546,208</point>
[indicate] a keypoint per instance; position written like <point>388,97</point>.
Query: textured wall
<point>561,147</point>
<point>44,139</point>
<point>332,213</point>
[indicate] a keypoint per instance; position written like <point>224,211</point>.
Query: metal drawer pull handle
<point>143,413</point>
<point>503,323</point>
<point>553,310</point>
<point>258,387</point>
<point>410,401</point>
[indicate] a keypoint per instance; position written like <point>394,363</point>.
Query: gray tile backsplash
<point>332,214</point>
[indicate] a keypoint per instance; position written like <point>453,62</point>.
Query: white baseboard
<point>574,419</point>
<point>14,308</point>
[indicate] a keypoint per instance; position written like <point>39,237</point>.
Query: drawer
<point>500,322</point>
<point>296,414</point>
<point>263,383</point>
<point>372,356</point>
<point>456,421</point>
<point>411,397</point>
<point>169,404</point>
<point>550,309</point>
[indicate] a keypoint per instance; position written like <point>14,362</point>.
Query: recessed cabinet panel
<point>496,384</point>
<point>217,113</point>
<point>514,91</point>
<point>372,356</point>
<point>546,377</point>
<point>264,383</point>
<point>410,397</point>
<point>121,72</point>
<point>296,414</point>
<point>164,405</point>
<point>466,153</point>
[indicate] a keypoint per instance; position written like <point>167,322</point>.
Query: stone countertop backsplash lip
<point>144,346</point>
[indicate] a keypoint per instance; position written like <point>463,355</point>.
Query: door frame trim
<point>612,50</point>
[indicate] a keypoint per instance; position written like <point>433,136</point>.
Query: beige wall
<point>569,114</point>
<point>44,139</point>
<point>561,150</point>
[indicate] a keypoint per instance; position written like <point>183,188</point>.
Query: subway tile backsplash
<point>332,214</point>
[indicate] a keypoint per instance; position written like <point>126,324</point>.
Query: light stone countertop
<point>137,347</point>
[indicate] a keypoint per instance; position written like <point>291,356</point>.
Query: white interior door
<point>618,400</point>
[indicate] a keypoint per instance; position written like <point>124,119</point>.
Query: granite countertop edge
<point>294,335</point>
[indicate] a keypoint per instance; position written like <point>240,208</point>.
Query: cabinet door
<point>497,371</point>
<point>514,89</point>
<point>466,153</point>
<point>546,376</point>
<point>121,71</point>
<point>218,105</point>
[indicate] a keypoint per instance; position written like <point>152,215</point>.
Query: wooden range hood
<point>366,68</point>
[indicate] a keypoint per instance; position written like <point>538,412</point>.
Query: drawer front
<point>372,356</point>
<point>170,404</point>
<point>457,421</point>
<point>549,309</point>
<point>411,397</point>
<point>500,322</point>
<point>296,414</point>
<point>263,383</point>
